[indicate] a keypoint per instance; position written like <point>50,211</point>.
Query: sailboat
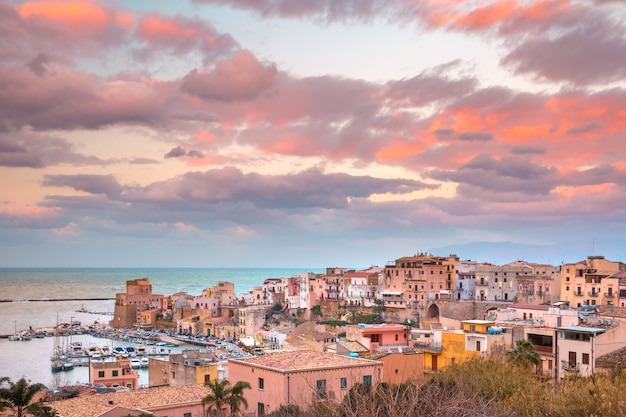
<point>60,361</point>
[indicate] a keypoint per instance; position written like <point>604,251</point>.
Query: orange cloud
<point>399,149</point>
<point>153,28</point>
<point>205,136</point>
<point>82,16</point>
<point>487,16</point>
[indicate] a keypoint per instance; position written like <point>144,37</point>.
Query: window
<point>396,338</point>
<point>261,383</point>
<point>586,358</point>
<point>100,374</point>
<point>115,373</point>
<point>321,389</point>
<point>367,380</point>
<point>260,409</point>
<point>187,415</point>
<point>344,383</point>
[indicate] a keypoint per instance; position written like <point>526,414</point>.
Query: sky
<point>318,133</point>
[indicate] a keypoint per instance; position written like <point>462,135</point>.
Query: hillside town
<point>313,337</point>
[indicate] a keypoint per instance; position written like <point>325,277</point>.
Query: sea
<point>28,300</point>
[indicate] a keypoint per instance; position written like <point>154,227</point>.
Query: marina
<point>33,358</point>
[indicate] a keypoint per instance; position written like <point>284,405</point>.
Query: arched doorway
<point>433,312</point>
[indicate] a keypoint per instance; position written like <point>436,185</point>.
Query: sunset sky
<point>311,133</point>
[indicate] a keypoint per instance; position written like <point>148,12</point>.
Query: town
<point>311,337</point>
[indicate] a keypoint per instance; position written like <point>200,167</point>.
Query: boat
<point>141,350</point>
<point>144,362</point>
<point>105,350</point>
<point>135,363</point>
<point>131,351</point>
<point>21,337</point>
<point>119,351</point>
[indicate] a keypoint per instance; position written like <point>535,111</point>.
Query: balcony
<point>482,283</point>
<point>609,295</point>
<point>578,293</point>
<point>428,347</point>
<point>593,294</point>
<point>530,291</point>
<point>570,366</point>
<point>540,293</point>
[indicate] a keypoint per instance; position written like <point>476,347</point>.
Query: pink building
<point>376,336</point>
<point>300,378</point>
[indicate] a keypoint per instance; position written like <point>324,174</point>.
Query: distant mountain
<point>500,253</point>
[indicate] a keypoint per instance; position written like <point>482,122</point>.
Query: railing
<point>482,283</point>
<point>593,294</point>
<point>609,295</point>
<point>429,347</point>
<point>570,366</point>
<point>530,292</point>
<point>540,293</point>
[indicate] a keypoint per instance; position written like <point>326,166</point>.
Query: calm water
<point>32,359</point>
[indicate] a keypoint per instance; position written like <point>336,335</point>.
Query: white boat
<point>105,350</point>
<point>144,362</point>
<point>20,337</point>
<point>135,363</point>
<point>140,350</point>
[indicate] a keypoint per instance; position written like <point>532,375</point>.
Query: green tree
<point>524,354</point>
<point>18,397</point>
<point>223,394</point>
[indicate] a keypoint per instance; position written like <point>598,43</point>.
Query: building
<point>412,281</point>
<point>497,283</point>
<point>587,282</point>
<point>113,374</point>
<point>538,284</point>
<point>300,378</point>
<point>191,366</point>
<point>465,280</point>
<point>129,305</point>
<point>400,365</point>
<point>161,401</point>
<point>578,347</point>
<point>379,336</point>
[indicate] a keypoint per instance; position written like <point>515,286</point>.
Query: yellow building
<point>478,338</point>
<point>586,282</point>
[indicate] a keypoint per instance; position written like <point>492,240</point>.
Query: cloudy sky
<point>310,133</point>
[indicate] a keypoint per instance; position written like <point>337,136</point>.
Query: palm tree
<point>18,397</point>
<point>223,394</point>
<point>524,354</point>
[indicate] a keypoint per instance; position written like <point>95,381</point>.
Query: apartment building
<point>587,282</point>
<point>498,282</point>
<point>413,281</point>
<point>465,283</point>
<point>113,374</point>
<point>538,283</point>
<point>363,286</point>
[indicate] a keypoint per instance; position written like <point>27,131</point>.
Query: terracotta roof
<point>96,404</point>
<point>352,346</point>
<point>107,364</point>
<point>612,359</point>
<point>303,360</point>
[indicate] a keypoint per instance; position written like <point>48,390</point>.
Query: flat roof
<point>479,321</point>
<point>582,329</point>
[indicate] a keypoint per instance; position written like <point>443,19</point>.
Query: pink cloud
<point>242,77</point>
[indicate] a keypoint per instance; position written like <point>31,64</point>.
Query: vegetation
<point>482,387</point>
<point>317,310</point>
<point>222,395</point>
<point>335,323</point>
<point>524,354</point>
<point>19,397</point>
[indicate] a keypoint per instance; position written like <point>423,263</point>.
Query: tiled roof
<point>96,404</point>
<point>107,364</point>
<point>303,360</point>
<point>352,346</point>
